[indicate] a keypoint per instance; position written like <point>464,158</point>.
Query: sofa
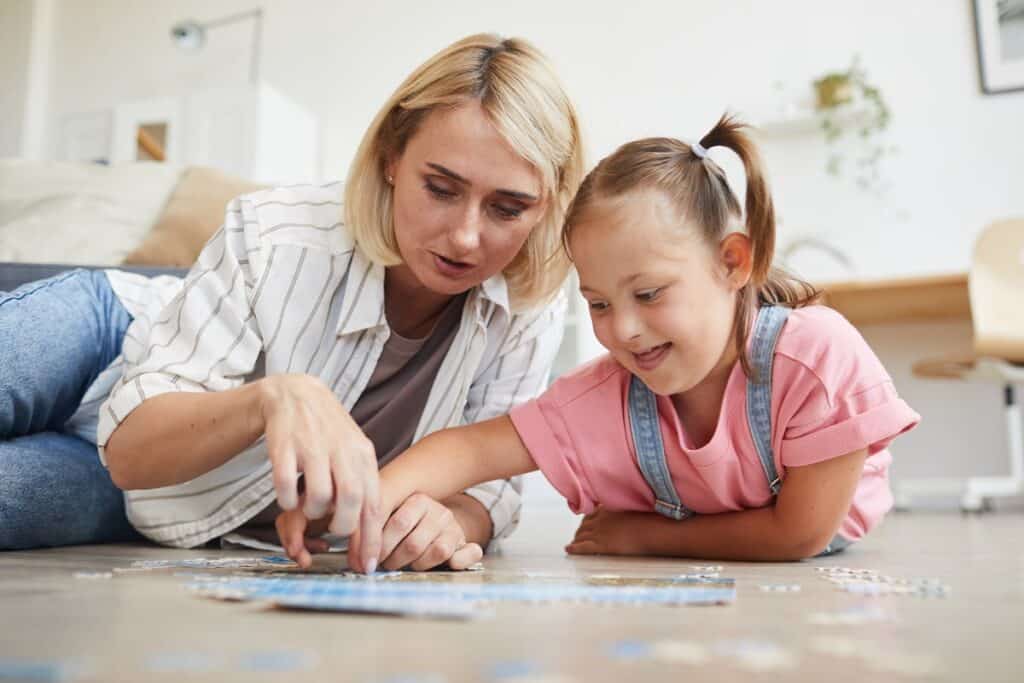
<point>147,217</point>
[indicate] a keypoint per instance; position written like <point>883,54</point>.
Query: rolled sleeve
<point>869,420</point>
<point>547,438</point>
<point>204,339</point>
<point>518,373</point>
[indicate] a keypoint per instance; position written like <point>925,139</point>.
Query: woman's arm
<point>809,510</point>
<point>175,437</point>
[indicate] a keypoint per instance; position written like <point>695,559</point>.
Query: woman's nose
<point>465,232</point>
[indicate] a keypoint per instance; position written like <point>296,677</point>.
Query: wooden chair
<point>996,287</point>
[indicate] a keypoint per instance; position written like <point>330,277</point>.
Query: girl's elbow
<point>811,543</point>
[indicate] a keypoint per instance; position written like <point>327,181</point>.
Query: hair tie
<point>699,150</point>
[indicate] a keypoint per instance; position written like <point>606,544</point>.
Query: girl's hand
<point>308,431</point>
<point>422,534</point>
<point>605,532</point>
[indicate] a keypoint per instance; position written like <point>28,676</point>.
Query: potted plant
<point>847,104</point>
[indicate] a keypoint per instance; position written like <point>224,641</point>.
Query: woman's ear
<point>737,259</point>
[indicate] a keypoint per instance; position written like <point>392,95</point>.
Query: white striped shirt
<point>281,285</point>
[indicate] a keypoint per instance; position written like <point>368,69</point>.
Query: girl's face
<point>661,300</point>
<point>464,201</point>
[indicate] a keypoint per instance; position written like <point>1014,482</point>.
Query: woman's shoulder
<point>302,215</point>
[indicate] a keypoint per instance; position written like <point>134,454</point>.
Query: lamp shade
<point>188,35</point>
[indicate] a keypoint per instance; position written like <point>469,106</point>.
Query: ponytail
<point>767,285</point>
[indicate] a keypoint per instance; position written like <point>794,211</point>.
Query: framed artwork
<point>999,27</point>
<point>147,130</point>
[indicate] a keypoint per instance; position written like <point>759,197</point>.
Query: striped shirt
<point>282,288</point>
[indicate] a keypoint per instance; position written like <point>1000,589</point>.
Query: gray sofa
<point>13,275</point>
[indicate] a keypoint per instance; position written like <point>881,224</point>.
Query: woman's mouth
<point>450,267</point>
<point>652,357</point>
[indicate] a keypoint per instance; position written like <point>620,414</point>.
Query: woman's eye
<point>508,212</point>
<point>597,305</point>
<point>649,295</point>
<point>439,192</point>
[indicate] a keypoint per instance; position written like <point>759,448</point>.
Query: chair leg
<point>980,491</point>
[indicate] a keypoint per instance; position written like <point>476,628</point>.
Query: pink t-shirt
<point>830,396</point>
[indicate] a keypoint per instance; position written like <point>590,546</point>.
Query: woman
<point>315,339</point>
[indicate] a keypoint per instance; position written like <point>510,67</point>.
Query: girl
<point>320,333</point>
<point>732,418</point>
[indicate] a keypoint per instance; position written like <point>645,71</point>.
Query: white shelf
<point>805,121</point>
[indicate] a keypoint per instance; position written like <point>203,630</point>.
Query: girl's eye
<point>438,192</point>
<point>598,305</point>
<point>508,213</point>
<point>649,295</point>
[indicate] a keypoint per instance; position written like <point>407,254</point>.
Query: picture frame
<point>999,31</point>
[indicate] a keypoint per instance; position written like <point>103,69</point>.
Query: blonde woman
<point>323,331</point>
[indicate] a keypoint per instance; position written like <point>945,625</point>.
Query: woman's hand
<point>308,431</point>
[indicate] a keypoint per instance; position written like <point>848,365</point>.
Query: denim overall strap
<point>770,320</point>
<point>650,452</point>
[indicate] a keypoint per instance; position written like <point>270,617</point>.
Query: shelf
<point>805,121</point>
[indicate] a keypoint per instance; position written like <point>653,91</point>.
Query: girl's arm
<point>440,466</point>
<point>812,504</point>
<point>451,460</point>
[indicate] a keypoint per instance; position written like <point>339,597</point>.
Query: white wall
<point>641,68</point>
<point>15,33</point>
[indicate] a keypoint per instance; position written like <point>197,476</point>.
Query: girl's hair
<point>697,186</point>
<point>525,102</point>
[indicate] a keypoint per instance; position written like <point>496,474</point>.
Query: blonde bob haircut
<point>525,101</point>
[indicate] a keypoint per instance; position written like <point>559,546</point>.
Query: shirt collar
<point>362,307</point>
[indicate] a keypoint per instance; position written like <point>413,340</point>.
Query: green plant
<point>847,103</point>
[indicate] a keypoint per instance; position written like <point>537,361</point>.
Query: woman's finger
<point>319,485</point>
<point>349,489</point>
<point>286,477</point>
<point>371,525</point>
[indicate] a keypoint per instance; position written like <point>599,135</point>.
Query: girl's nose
<point>625,326</point>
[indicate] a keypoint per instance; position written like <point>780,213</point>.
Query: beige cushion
<point>192,214</point>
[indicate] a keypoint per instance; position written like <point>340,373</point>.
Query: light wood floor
<point>116,629</point>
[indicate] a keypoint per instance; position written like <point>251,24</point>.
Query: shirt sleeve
<point>518,373</point>
<point>842,402</point>
<point>542,425</point>
<point>204,339</point>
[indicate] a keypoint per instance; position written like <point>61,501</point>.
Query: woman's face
<point>464,201</point>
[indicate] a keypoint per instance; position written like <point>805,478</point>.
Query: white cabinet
<point>252,131</point>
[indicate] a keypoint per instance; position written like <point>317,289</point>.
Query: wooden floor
<point>134,627</point>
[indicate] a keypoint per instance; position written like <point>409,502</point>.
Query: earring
<point>390,179</point>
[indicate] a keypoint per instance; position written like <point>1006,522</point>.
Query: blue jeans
<point>56,336</point>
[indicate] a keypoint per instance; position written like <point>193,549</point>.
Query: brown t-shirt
<point>389,409</point>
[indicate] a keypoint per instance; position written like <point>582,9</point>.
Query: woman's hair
<point>697,187</point>
<point>525,102</point>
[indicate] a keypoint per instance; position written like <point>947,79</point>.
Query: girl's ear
<point>737,258</point>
